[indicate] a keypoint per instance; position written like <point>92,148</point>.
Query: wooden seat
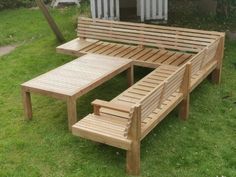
<point>149,57</point>
<point>103,129</point>
<point>133,114</point>
<point>73,47</point>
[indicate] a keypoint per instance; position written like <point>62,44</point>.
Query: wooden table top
<point>79,75</point>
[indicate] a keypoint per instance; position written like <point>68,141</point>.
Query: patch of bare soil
<point>6,49</point>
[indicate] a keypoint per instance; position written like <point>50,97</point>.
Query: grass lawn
<point>203,146</point>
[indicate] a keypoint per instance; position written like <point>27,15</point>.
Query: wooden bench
<point>74,79</point>
<point>147,45</point>
<point>182,58</point>
<point>128,118</point>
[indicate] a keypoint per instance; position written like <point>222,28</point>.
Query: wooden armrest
<point>110,105</point>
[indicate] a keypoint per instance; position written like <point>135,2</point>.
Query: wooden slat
<point>105,138</point>
<point>181,31</point>
<point>146,40</point>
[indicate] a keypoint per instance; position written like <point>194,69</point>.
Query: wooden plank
<point>216,75</point>
<point>165,57</point>
<point>181,60</point>
<point>173,58</point>
<point>109,105</point>
<point>102,138</point>
<point>148,55</point>
<point>154,58</point>
<point>73,47</point>
<point>147,34</point>
<point>111,50</point>
<point>72,112</point>
<point>184,31</point>
<point>130,76</point>
<point>160,116</point>
<point>134,40</point>
<point>125,52</point>
<point>141,53</point>
<point>120,50</point>
<point>185,87</point>
<point>104,49</point>
<point>27,105</point>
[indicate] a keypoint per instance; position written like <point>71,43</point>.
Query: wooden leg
<point>130,76</point>
<point>72,112</point>
<point>184,108</point>
<point>27,104</point>
<point>133,154</point>
<point>216,76</point>
<point>133,159</point>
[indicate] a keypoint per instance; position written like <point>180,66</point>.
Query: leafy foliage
<point>226,8</point>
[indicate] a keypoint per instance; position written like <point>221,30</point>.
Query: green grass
<point>205,145</point>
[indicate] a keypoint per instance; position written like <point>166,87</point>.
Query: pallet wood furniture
<point>72,80</point>
<point>182,58</point>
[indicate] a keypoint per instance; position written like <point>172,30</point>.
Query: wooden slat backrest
<point>152,101</point>
<point>211,52</point>
<point>174,82</point>
<point>196,62</point>
<point>162,92</point>
<point>146,35</point>
<point>200,60</point>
